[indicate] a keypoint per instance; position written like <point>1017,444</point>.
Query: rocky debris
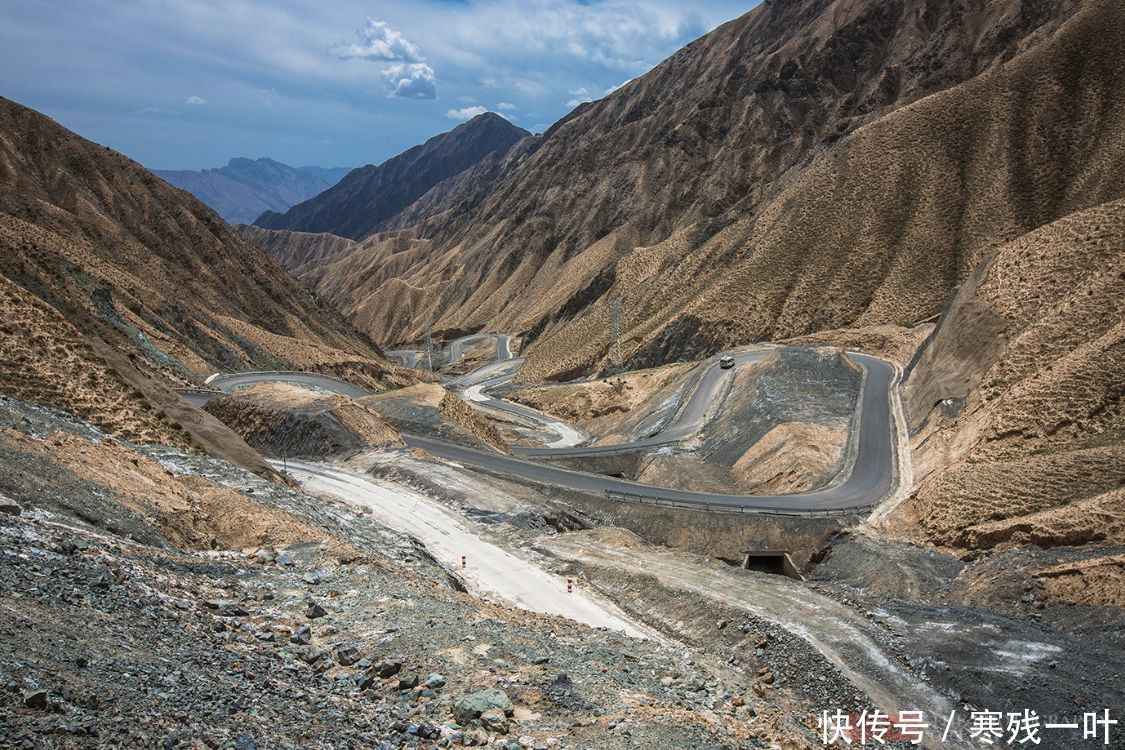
<point>38,699</point>
<point>347,655</point>
<point>232,610</point>
<point>474,705</point>
<point>280,419</point>
<point>215,648</point>
<point>494,720</point>
<point>387,669</point>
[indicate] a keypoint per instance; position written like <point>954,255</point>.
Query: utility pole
<point>615,356</point>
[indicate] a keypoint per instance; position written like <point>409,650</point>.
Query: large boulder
<point>470,707</point>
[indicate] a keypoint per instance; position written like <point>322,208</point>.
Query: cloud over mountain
<point>377,41</point>
<point>411,81</point>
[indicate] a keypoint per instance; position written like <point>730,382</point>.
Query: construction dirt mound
<point>279,419</point>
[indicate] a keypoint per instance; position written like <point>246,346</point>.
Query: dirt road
<point>490,570</point>
<point>833,629</point>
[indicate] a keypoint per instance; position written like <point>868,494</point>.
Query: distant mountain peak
<point>371,196</point>
<point>244,188</point>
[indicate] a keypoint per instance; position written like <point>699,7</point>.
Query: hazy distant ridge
<point>245,188</point>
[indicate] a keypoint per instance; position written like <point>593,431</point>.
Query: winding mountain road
<point>868,479</point>
<point>454,351</point>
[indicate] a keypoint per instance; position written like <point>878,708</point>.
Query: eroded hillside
<point>1016,405</point>
<point>117,287</point>
<point>748,187</point>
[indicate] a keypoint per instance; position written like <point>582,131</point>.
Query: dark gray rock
<point>388,668</point>
<point>471,706</point>
<point>232,610</point>
<point>37,699</point>
<point>347,655</point>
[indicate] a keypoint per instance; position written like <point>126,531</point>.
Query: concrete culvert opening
<point>776,562</point>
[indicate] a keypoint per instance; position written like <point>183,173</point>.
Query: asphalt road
<point>503,348</point>
<point>408,357</point>
<point>475,383</point>
<point>868,480</point>
<point>454,351</point>
<point>687,422</point>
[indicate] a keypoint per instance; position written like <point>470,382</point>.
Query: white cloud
<point>611,89</point>
<point>195,100</point>
<point>465,113</point>
<point>506,107</point>
<point>377,41</point>
<point>411,81</point>
<point>579,96</point>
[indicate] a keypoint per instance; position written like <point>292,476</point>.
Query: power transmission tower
<point>615,356</point>
<point>428,337</point>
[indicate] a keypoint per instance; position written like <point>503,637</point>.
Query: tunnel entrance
<point>776,562</point>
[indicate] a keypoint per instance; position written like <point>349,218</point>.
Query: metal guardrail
<point>723,508</point>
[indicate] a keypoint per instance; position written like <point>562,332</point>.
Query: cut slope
<point>429,409</point>
<point>1016,404</point>
<point>288,421</point>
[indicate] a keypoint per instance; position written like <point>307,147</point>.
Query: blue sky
<point>187,84</point>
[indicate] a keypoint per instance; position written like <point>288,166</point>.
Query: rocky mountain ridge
<point>116,287</point>
<point>369,196</point>
<point>244,189</point>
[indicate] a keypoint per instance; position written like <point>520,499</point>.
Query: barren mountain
<point>369,196</point>
<point>810,166</point>
<point>245,188</point>
<point>296,250</point>
<point>1016,404</point>
<point>819,169</point>
<point>116,286</point>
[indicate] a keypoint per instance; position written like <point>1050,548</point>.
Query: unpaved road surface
<point>490,569</point>
<point>831,628</point>
<point>498,373</point>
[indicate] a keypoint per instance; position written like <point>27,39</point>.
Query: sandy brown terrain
<point>1099,580</point>
<point>44,359</point>
<point>148,280</point>
<point>296,250</point>
<point>188,513</point>
<point>429,409</point>
<point>898,344</point>
<point>762,184</point>
<point>602,407</point>
<point>1016,406</point>
<point>283,420</point>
